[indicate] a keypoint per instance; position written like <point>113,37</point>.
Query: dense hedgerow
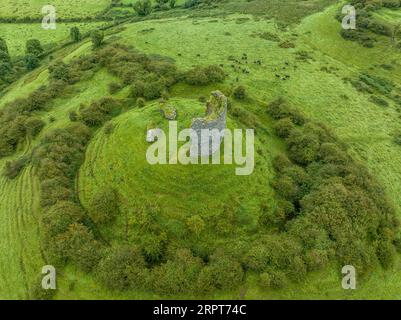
<point>330,200</point>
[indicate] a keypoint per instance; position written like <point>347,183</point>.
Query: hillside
<point>196,222</point>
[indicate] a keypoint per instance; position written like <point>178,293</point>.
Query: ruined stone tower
<point>215,121</point>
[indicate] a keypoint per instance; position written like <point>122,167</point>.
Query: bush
<point>104,206</point>
<point>75,34</point>
<point>97,38</point>
<point>114,87</point>
<point>379,101</point>
<point>78,245</point>
<point>223,272</point>
<point>239,93</point>
<point>283,127</point>
<point>316,259</point>
<point>122,268</point>
<point>303,147</point>
<point>100,111</point>
<point>278,280</point>
<point>13,168</point>
<point>140,102</point>
<point>205,75</point>
<point>33,47</point>
<point>143,7</point>
<point>59,71</point>
<point>109,128</point>
<point>264,280</point>
<point>178,275</point>
<point>280,109</point>
<point>58,218</point>
<point>73,116</point>
<point>34,126</point>
<point>31,61</point>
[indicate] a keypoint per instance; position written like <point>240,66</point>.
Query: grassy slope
<point>65,9</point>
<point>389,15</point>
<point>364,125</point>
<point>21,260</point>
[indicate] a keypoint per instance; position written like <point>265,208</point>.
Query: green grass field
<point>65,9</point>
<point>17,34</point>
<point>118,159</point>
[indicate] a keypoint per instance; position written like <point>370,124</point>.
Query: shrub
<point>283,127</point>
<point>114,87</point>
<point>97,38</point>
<point>264,280</point>
<point>239,93</point>
<point>205,75</point>
<point>280,162</point>
<point>178,275</point>
<point>58,218</point>
<point>75,34</point>
<point>104,206</point>
<point>31,61</point>
<point>13,168</point>
<point>140,102</point>
<point>303,147</point>
<point>59,71</point>
<point>386,254</point>
<point>78,245</point>
<point>34,126</point>
<point>223,272</point>
<point>100,111</point>
<point>280,109</point>
<point>379,101</point>
<point>195,224</point>
<point>4,47</point>
<point>316,259</point>
<point>109,128</point>
<point>143,7</point>
<point>278,279</point>
<point>122,268</point>
<point>33,47</point>
<point>73,116</point>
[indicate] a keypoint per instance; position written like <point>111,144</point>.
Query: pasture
<point>311,73</point>
<point>65,9</point>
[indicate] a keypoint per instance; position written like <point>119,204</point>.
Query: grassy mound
<point>118,160</point>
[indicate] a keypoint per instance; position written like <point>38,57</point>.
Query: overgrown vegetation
<point>327,198</point>
<point>369,25</point>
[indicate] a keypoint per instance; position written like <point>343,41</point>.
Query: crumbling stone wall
<point>216,118</point>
